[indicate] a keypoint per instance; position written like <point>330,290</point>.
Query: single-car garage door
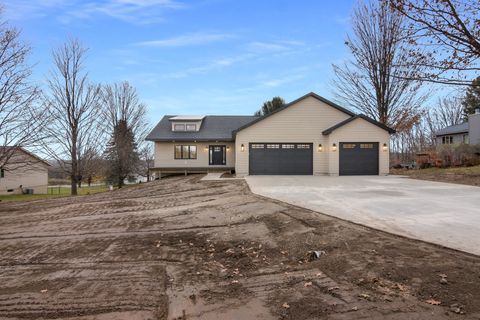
<point>280,158</point>
<point>358,158</point>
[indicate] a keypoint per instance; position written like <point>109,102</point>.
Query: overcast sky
<point>195,57</point>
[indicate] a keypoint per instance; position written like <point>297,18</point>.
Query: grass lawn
<point>53,192</point>
<point>461,175</point>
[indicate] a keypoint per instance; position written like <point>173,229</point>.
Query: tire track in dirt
<point>213,250</point>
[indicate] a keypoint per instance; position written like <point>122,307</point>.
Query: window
<point>273,146</point>
<point>179,127</point>
<point>185,152</point>
<point>288,146</point>
<point>2,173</point>
<point>366,146</point>
<point>447,139</point>
<point>258,146</point>
<point>303,146</point>
<point>191,127</point>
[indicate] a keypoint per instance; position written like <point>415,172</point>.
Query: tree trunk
<point>120,182</point>
<point>74,173</point>
<point>73,177</point>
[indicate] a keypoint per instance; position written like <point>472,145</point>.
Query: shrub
<point>458,155</point>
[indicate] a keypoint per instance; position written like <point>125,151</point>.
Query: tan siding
<point>164,155</point>
<point>359,130</point>
<point>31,175</point>
<point>302,122</point>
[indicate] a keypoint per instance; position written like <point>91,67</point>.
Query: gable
<point>302,119</point>
<point>296,102</point>
<point>358,117</point>
<point>360,129</point>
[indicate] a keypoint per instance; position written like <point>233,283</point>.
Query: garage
<point>280,158</point>
<point>358,158</point>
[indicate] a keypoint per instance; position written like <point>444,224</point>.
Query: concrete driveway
<point>442,213</point>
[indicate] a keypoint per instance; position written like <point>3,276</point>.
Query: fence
<point>65,190</point>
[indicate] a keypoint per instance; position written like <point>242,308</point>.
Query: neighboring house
<point>26,170</point>
<point>467,132</point>
<point>310,135</point>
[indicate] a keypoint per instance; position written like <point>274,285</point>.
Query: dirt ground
<point>182,248</point>
<point>461,175</point>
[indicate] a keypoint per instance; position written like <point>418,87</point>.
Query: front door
<point>217,156</point>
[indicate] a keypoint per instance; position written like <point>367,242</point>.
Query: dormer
<point>186,123</point>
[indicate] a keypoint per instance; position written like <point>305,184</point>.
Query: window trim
<point>450,139</point>
<point>190,124</point>
<point>189,152</point>
<point>180,125</point>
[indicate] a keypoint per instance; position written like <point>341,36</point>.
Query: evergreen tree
<point>472,98</point>
<point>121,154</point>
<point>270,106</point>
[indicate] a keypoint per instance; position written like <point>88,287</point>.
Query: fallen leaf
<point>307,284</point>
<point>43,290</point>
<point>433,302</point>
<point>286,305</point>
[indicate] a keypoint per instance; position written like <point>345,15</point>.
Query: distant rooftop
<point>184,118</point>
<point>456,129</point>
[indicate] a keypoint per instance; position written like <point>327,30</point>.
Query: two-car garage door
<point>355,158</point>
<point>281,158</point>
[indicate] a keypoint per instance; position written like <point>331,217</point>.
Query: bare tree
<point>73,105</point>
<point>123,104</point>
<point>372,83</point>
<point>125,116</point>
<point>446,35</point>
<point>21,118</point>
<point>447,112</point>
<point>147,158</point>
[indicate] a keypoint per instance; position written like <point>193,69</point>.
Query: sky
<point>194,57</point>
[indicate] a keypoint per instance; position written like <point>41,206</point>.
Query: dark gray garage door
<point>358,158</point>
<point>281,158</point>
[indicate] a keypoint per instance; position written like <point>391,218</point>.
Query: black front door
<point>217,156</point>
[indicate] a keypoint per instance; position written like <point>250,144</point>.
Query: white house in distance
<point>24,171</point>
<point>309,136</point>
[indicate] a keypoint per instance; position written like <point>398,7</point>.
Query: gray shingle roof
<point>216,128</point>
<point>459,128</point>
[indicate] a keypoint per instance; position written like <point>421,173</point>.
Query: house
<point>23,171</point>
<point>467,132</point>
<point>309,136</point>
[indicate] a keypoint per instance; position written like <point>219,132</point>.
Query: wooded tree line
<point>88,128</point>
<point>403,54</point>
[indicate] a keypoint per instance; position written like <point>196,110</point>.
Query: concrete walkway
<point>215,176</point>
<point>442,213</point>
